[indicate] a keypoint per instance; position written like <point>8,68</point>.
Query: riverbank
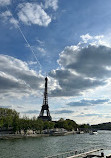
<point>20,136</point>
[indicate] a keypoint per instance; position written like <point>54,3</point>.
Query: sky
<point>70,42</point>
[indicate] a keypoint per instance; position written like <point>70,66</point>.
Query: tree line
<point>10,119</point>
<point>102,126</point>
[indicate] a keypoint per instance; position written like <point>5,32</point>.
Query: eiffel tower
<point>45,106</point>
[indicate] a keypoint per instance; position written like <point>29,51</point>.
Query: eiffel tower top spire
<point>45,106</point>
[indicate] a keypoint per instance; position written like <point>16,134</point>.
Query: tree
<point>40,125</point>
<point>1,123</point>
<point>15,123</point>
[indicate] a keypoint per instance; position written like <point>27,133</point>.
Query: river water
<point>46,146</point>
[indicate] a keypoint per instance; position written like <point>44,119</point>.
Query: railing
<point>74,153</point>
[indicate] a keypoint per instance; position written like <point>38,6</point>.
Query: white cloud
<point>85,102</point>
<point>14,22</point>
<point>86,37</point>
<point>41,43</point>
<point>83,67</point>
<point>51,3</point>
<point>94,40</point>
<point>7,16</point>
<point>32,62</point>
<point>5,2</point>
<point>42,50</point>
<point>32,13</point>
<point>16,79</point>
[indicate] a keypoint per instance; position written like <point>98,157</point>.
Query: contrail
<point>24,37</point>
<point>29,45</point>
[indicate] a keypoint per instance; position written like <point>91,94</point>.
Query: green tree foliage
<point>67,124</point>
<point>59,123</point>
<point>25,124</point>
<point>102,126</point>
<point>84,126</point>
<point>1,123</point>
<point>49,125</point>
<point>70,125</point>
<point>40,125</point>
<point>10,118</point>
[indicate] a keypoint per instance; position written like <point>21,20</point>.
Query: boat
<point>93,132</point>
<point>59,132</point>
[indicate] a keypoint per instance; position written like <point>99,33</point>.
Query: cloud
<point>51,3</point>
<point>84,102</point>
<point>41,43</point>
<point>32,13</point>
<point>94,40</point>
<point>42,50</point>
<point>5,2</point>
<point>63,111</point>
<point>6,14</point>
<point>5,106</point>
<point>8,17</point>
<point>92,62</point>
<point>95,115</point>
<point>82,68</point>
<point>88,38</point>
<point>99,115</point>
<point>90,115</point>
<point>13,21</point>
<point>20,107</point>
<point>16,79</point>
<point>31,112</point>
<point>70,84</point>
<point>32,62</point>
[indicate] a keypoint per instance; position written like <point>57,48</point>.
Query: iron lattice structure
<point>45,106</point>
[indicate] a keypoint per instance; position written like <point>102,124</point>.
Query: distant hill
<point>102,126</point>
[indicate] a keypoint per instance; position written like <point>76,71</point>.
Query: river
<point>45,146</point>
